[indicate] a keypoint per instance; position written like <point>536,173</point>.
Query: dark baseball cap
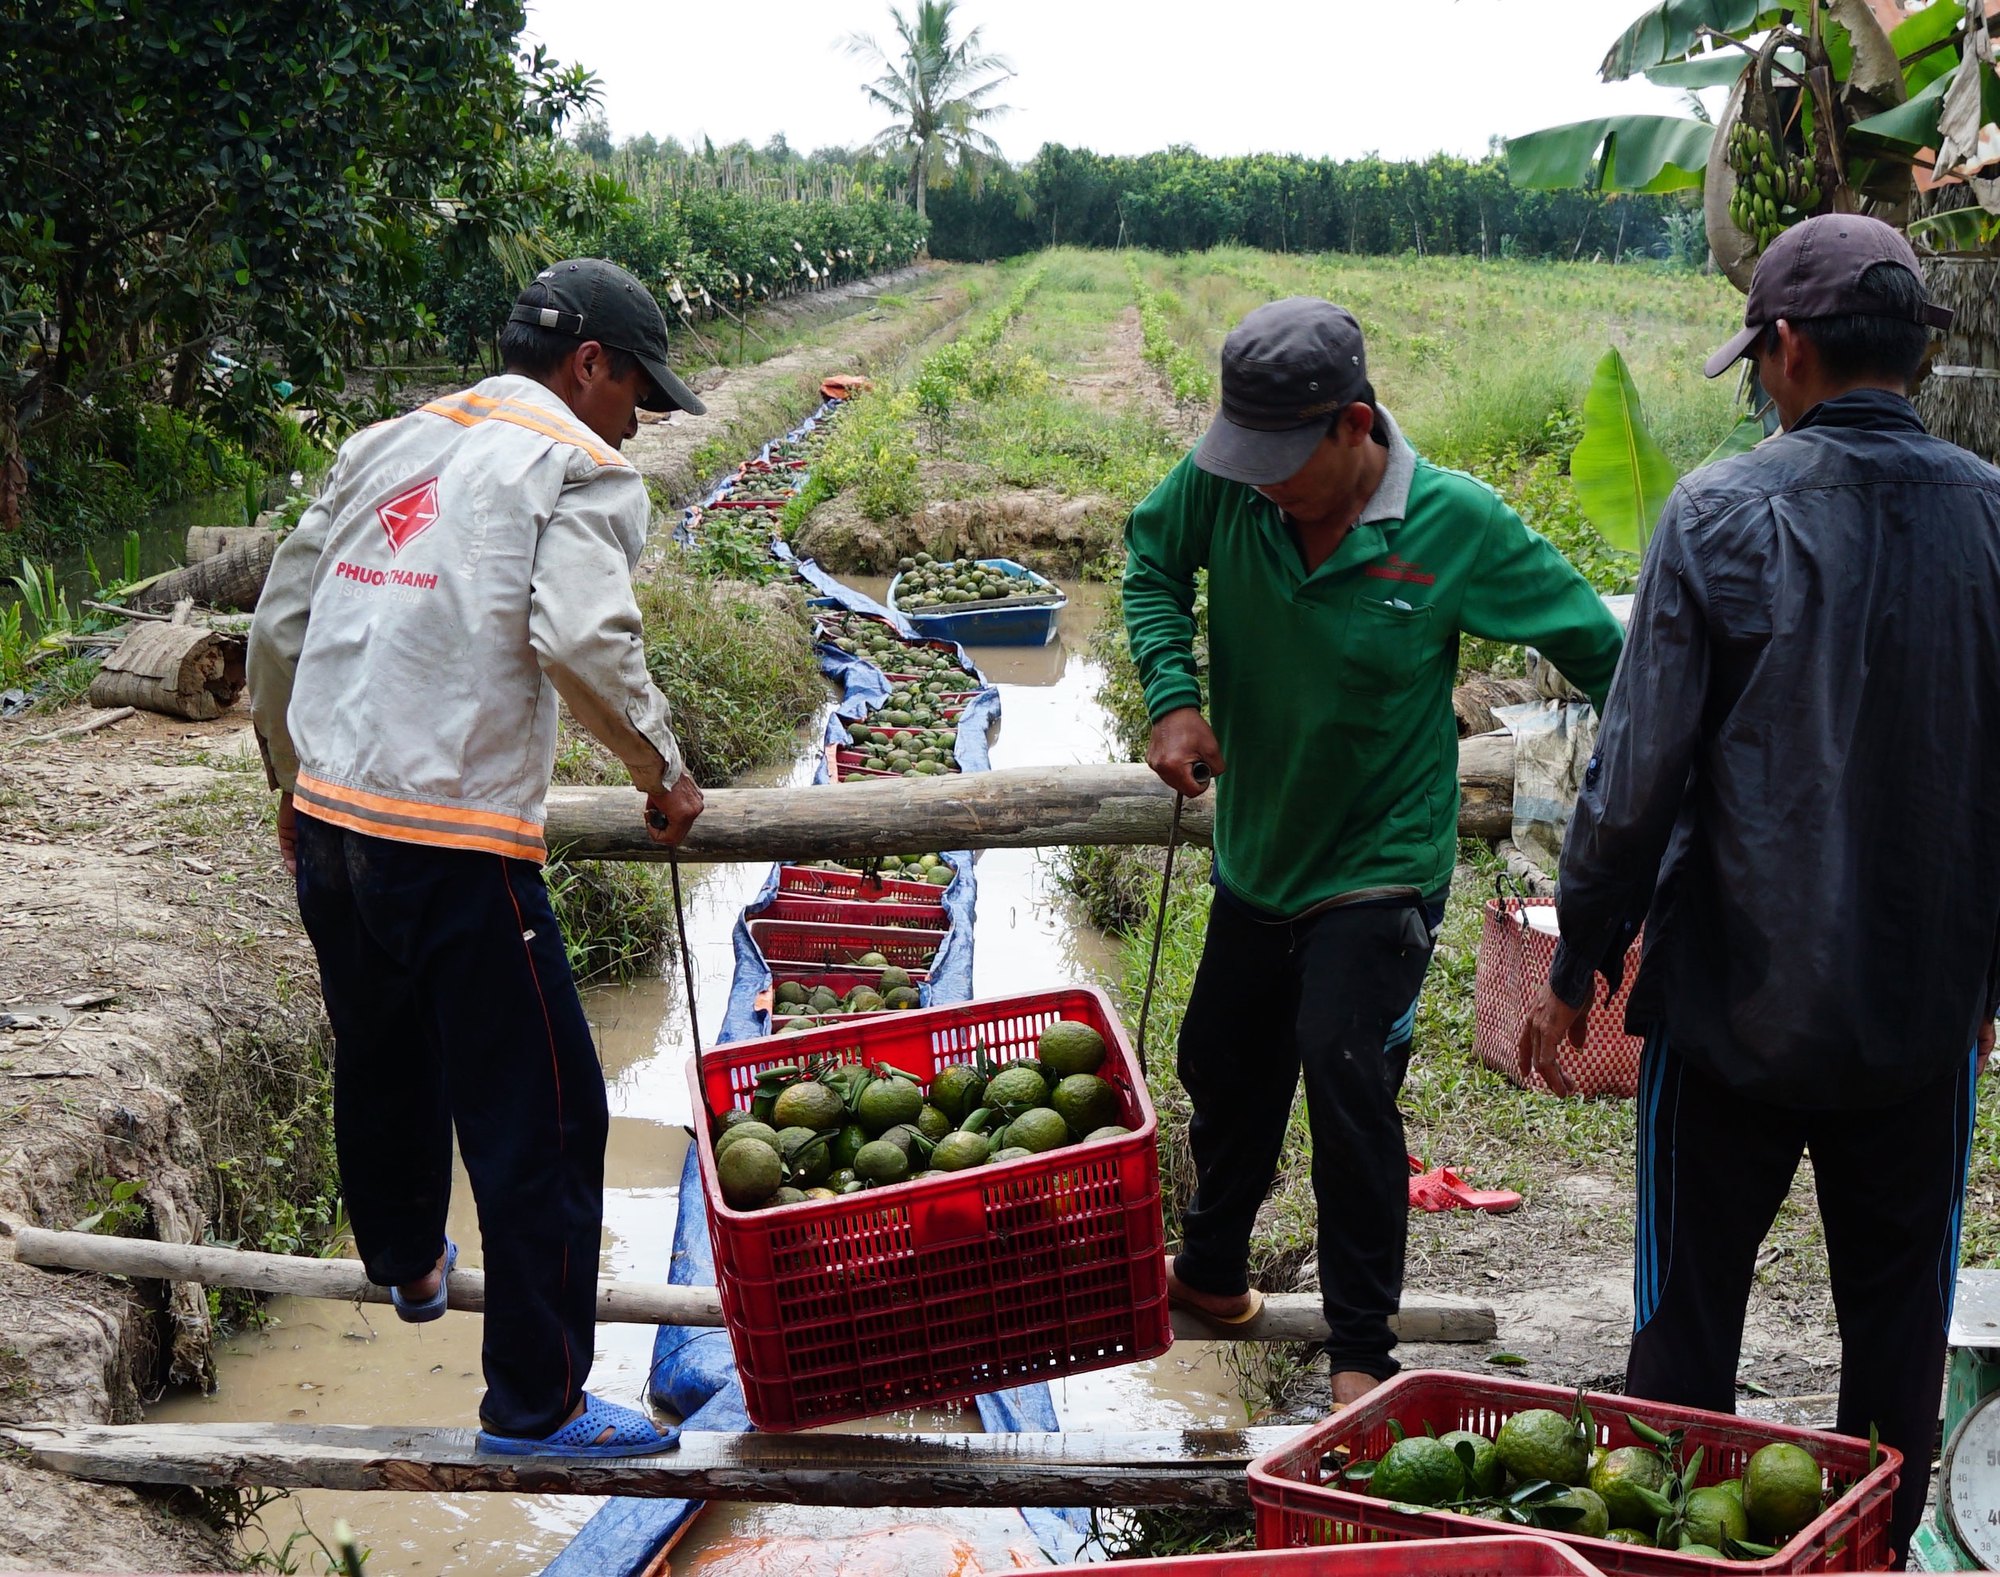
<point>1286,369</point>
<point>589,298</point>
<point>1813,270</point>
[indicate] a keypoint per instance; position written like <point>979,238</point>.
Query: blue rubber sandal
<point>633,1435</point>
<point>433,1307</point>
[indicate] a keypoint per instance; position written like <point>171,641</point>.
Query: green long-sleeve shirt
<point>1330,693</point>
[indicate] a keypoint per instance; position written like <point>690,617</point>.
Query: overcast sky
<point>1403,78</point>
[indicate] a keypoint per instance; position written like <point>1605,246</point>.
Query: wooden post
<point>1008,808</point>
<point>1286,1317</point>
<point>1176,1467</point>
<point>233,578</point>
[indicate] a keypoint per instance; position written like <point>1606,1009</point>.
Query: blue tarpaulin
<point>693,1371</point>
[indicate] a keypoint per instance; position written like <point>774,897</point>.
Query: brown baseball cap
<point>1286,369</point>
<point>1813,270</point>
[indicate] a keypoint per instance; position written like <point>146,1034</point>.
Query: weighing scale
<point>1963,1533</point>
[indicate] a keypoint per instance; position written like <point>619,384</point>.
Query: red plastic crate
<point>954,1285</point>
<point>849,911</point>
<point>817,880</point>
<point>1294,1508</point>
<point>838,946</point>
<point>838,981</point>
<point>1505,1556</point>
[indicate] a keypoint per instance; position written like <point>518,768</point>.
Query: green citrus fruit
<point>1595,1521</point>
<point>1541,1444</point>
<point>1085,1102</point>
<point>1017,1088</point>
<point>957,1091</point>
<point>881,1162</point>
<point>1071,1048</point>
<point>894,979</point>
<point>1701,1552</point>
<point>736,1133</point>
<point>1040,1129</point>
<point>957,1151</point>
<point>1487,1475</point>
<point>1618,1474</point>
<point>808,1159</point>
<point>851,1138</point>
<point>1638,1536</point>
<point>808,1105</point>
<point>1419,1471</point>
<point>1108,1131</point>
<point>1781,1491</point>
<point>1012,1152</point>
<point>932,1123</point>
<point>1715,1516</point>
<point>883,1103</point>
<point>749,1173</point>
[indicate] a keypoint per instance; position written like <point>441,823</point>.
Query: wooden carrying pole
<point>1174,1467</point>
<point>1287,1317</point>
<point>1008,808</point>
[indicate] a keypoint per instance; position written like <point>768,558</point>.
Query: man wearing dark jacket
<point>1791,788</point>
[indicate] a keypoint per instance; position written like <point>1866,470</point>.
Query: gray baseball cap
<point>1286,369</point>
<point>590,298</point>
<point>1813,270</point>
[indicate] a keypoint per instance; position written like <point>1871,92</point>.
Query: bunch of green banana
<point>1775,188</point>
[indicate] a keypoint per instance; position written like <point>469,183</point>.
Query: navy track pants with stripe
<point>453,1006</point>
<point>1713,1171</point>
<point>1334,995</point>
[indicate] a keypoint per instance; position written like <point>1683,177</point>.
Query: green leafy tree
<point>937,90</point>
<point>183,178</point>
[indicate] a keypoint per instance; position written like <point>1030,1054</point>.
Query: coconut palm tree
<point>934,89</point>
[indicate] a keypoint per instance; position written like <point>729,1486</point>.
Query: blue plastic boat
<point>996,624</point>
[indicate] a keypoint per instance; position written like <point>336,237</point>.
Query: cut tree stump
<point>231,579</point>
<point>205,542</point>
<point>182,670</point>
<point>1172,1467</point>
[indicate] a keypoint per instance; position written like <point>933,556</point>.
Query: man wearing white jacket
<point>465,565</point>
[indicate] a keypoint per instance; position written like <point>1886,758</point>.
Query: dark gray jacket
<point>1795,780</point>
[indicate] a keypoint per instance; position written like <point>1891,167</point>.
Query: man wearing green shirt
<point>1342,569</point>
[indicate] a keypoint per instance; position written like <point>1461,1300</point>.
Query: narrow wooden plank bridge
<point>1189,1467</point>
<point>1290,1317</point>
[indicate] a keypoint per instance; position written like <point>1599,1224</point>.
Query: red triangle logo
<point>409,513</point>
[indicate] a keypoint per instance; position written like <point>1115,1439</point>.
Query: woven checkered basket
<point>1514,959</point>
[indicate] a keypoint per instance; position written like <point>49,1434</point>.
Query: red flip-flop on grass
<point>1443,1189</point>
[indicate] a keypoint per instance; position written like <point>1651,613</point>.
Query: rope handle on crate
<point>1200,772</point>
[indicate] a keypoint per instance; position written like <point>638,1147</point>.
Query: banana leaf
<point>1622,478</point>
<point>1615,153</point>
<point>1918,31</point>
<point>1672,29</point>
<point>1746,435</point>
<point>1718,69</point>
<point>1905,131</point>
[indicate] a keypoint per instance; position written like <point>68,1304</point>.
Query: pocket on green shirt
<point>1384,647</point>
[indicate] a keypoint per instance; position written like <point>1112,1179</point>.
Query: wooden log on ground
<point>1008,808</point>
<point>1180,1467</point>
<point>205,542</point>
<point>181,670</point>
<point>1287,1317</point>
<point>1475,700</point>
<point>233,579</point>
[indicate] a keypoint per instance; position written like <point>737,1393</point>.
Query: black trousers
<point>453,1006</point>
<point>1713,1170</point>
<point>1335,995</point>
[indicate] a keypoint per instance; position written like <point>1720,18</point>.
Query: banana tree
<point>1832,104</point>
<point>1835,106</point>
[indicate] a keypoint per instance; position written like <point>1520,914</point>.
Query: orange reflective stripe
<point>436,840</point>
<point>554,427</point>
<point>469,409</point>
<point>361,799</point>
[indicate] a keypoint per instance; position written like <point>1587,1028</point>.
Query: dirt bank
<point>159,1039</point>
<point>1040,527</point>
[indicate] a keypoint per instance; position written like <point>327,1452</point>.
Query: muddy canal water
<point>330,1363</point>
